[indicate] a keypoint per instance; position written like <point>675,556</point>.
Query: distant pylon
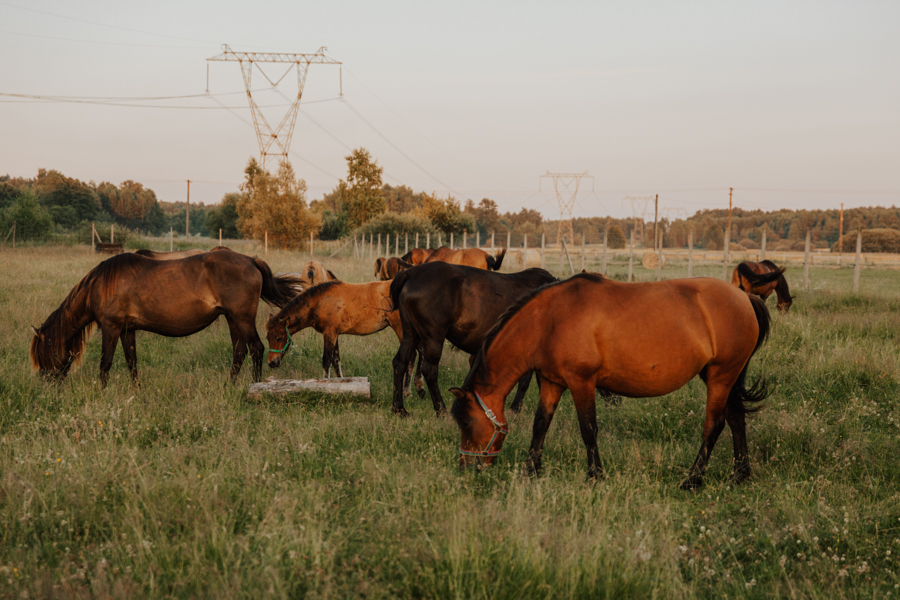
<point>277,141</point>
<point>566,186</point>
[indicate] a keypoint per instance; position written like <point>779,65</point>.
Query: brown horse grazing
<point>169,255</point>
<point>314,273</point>
<point>174,298</point>
<point>332,308</point>
<point>439,301</point>
<point>470,257</point>
<point>762,279</point>
<point>639,340</point>
<point>417,256</point>
<point>387,268</point>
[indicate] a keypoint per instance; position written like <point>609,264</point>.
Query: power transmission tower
<point>566,186</point>
<point>273,141</point>
<point>639,206</point>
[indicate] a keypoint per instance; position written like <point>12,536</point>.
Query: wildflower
<point>750,584</point>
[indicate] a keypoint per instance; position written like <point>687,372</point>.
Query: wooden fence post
<point>605,247</point>
<point>355,247</point>
<point>112,234</point>
<point>725,254</point>
<point>465,238</point>
<point>543,249</point>
<point>371,245</point>
<point>508,238</point>
<point>440,238</point>
<point>631,256</point>
<point>378,252</point>
<point>310,243</point>
<point>427,240</point>
<point>171,238</point>
<point>691,253</point>
<point>478,238</point>
<point>93,235</point>
<point>406,244</point>
<point>858,261</point>
<point>582,252</point>
<point>524,250</point>
<point>492,240</point>
<point>220,236</point>
<point>397,245</point>
<point>806,263</point>
<point>659,257</point>
<point>762,247</point>
<point>266,242</point>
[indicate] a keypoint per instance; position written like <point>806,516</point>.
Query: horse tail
<point>740,395</point>
<point>277,290</point>
<point>494,262</point>
<point>396,286</point>
<point>408,256</point>
<point>756,279</point>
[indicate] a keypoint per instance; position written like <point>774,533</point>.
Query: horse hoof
<point>440,412</point>
<point>739,477</point>
<point>399,411</point>
<point>595,475</point>
<point>421,392</point>
<point>692,484</point>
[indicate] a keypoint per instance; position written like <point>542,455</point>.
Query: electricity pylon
<point>566,186</point>
<point>639,206</point>
<point>277,141</point>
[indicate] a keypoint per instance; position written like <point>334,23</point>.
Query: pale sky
<point>794,104</point>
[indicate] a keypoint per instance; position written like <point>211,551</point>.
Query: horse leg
<point>586,408</point>
<point>336,360</point>
<point>401,362</point>
<point>738,425</point>
<point>716,399</point>
<point>110,339</point>
<point>128,347</point>
<point>432,359</point>
<point>550,394</point>
<point>328,354</point>
<point>238,346</point>
<point>257,349</point>
<point>521,389</point>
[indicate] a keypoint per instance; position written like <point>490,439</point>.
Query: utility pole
<point>841,232</point>
<point>564,231</point>
<point>187,212</point>
<point>730,192</point>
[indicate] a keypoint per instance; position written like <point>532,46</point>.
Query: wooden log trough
<point>355,386</point>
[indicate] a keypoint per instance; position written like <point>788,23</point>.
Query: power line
<point>63,39</point>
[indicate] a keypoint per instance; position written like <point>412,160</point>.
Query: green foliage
<point>615,238</point>
<point>397,224</point>
<point>486,215</point>
<point>873,240</point>
<point>362,196</point>
<point>713,237</point>
<point>225,217</point>
<point>9,193</point>
<point>68,199</point>
<point>446,215</point>
<point>335,225</point>
<point>275,205</point>
<point>32,221</point>
<point>401,198</point>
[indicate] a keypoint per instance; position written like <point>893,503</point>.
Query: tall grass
<point>183,488</point>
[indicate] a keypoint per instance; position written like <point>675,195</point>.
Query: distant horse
<point>174,298</point>
<point>314,273</point>
<point>439,301</point>
<point>387,268</point>
<point>169,255</point>
<point>333,308</point>
<point>762,279</point>
<point>470,257</point>
<point>417,256</point>
<point>639,340</point>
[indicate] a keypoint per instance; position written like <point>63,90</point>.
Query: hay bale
<point>651,260</point>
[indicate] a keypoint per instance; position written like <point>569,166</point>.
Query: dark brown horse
<point>762,279</point>
<point>639,340</point>
<point>174,298</point>
<point>470,257</point>
<point>439,301</point>
<point>417,256</point>
<point>387,268</point>
<point>178,255</point>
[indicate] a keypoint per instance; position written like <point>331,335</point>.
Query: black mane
<point>310,294</point>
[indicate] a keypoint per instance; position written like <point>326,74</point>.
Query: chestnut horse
<point>639,340</point>
<point>439,301</point>
<point>314,273</point>
<point>470,257</point>
<point>174,298</point>
<point>762,279</point>
<point>387,268</point>
<point>332,308</point>
<point>417,256</point>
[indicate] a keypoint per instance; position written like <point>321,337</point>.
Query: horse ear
<point>34,329</point>
<point>331,275</point>
<point>584,270</point>
<point>457,392</point>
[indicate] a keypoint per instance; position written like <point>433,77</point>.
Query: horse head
<point>482,432</point>
<point>279,338</point>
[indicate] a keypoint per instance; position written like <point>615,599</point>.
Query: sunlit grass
<point>181,487</point>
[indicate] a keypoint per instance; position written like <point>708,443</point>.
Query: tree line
<point>276,205</point>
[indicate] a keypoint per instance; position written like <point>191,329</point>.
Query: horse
<point>417,256</point>
<point>762,279</point>
<point>387,268</point>
<point>525,258</point>
<point>439,301</point>
<point>470,257</point>
<point>639,340</point>
<point>332,308</point>
<point>314,273</point>
<point>178,255</point>
<point>174,298</point>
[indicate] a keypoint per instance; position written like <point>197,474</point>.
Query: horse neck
<point>509,360</point>
<point>782,291</point>
<point>298,317</point>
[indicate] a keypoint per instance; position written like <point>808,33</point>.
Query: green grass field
<point>182,488</point>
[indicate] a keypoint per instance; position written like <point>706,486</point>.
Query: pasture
<point>182,488</point>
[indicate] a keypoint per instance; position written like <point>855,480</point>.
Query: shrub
<point>749,244</point>
<point>397,224</point>
<point>873,240</point>
<point>32,221</point>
